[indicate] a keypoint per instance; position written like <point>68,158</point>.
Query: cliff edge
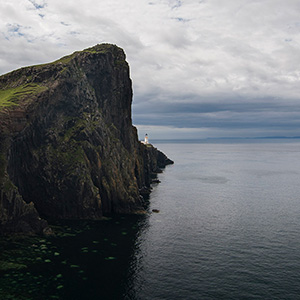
<point>68,149</point>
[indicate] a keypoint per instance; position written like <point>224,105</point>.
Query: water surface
<point>228,228</point>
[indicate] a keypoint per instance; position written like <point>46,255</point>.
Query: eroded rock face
<point>67,141</point>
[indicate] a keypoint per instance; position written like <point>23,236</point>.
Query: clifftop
<point>20,86</point>
<point>68,149</point>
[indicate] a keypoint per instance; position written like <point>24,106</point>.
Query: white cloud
<point>179,51</point>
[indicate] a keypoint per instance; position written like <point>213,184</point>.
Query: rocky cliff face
<point>68,148</point>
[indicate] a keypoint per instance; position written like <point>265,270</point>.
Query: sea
<point>225,225</point>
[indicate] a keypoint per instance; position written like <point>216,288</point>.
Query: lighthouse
<point>146,139</point>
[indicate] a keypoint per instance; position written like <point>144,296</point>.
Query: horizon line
<point>228,138</point>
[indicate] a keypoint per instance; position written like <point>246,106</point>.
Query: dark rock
<point>145,192</point>
<point>155,181</point>
<point>67,144</point>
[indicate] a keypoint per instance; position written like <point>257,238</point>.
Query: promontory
<point>68,149</point>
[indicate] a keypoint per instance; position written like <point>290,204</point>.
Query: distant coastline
<point>225,140</point>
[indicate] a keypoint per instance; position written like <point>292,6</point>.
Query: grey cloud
<point>227,121</point>
<point>38,5</point>
<point>194,64</point>
<point>207,107</point>
<point>263,117</point>
<point>65,24</point>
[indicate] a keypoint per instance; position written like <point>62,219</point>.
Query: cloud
<point>211,68</point>
<point>38,4</point>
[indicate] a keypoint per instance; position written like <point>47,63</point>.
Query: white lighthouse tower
<point>146,139</point>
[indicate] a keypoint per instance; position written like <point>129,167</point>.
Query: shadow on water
<point>85,260</point>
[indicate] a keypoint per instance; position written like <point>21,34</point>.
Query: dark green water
<point>228,228</point>
<point>85,260</point>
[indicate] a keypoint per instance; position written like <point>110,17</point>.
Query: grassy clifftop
<point>17,86</point>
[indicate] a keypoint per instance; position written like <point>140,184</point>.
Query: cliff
<point>68,149</point>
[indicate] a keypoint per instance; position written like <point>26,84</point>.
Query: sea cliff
<point>68,149</point>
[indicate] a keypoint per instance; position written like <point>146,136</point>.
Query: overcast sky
<point>210,68</point>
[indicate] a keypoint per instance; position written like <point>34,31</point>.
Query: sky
<point>200,68</point>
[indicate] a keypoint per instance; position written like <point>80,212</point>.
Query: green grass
<point>64,60</point>
<point>102,48</point>
<point>6,98</point>
<point>79,125</point>
<point>11,96</point>
<point>69,157</point>
<point>6,265</point>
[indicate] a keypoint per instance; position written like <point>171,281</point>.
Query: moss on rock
<point>11,96</point>
<point>6,265</point>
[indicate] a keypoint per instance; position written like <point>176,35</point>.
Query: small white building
<point>146,141</point>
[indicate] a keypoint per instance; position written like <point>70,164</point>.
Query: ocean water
<point>228,227</point>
